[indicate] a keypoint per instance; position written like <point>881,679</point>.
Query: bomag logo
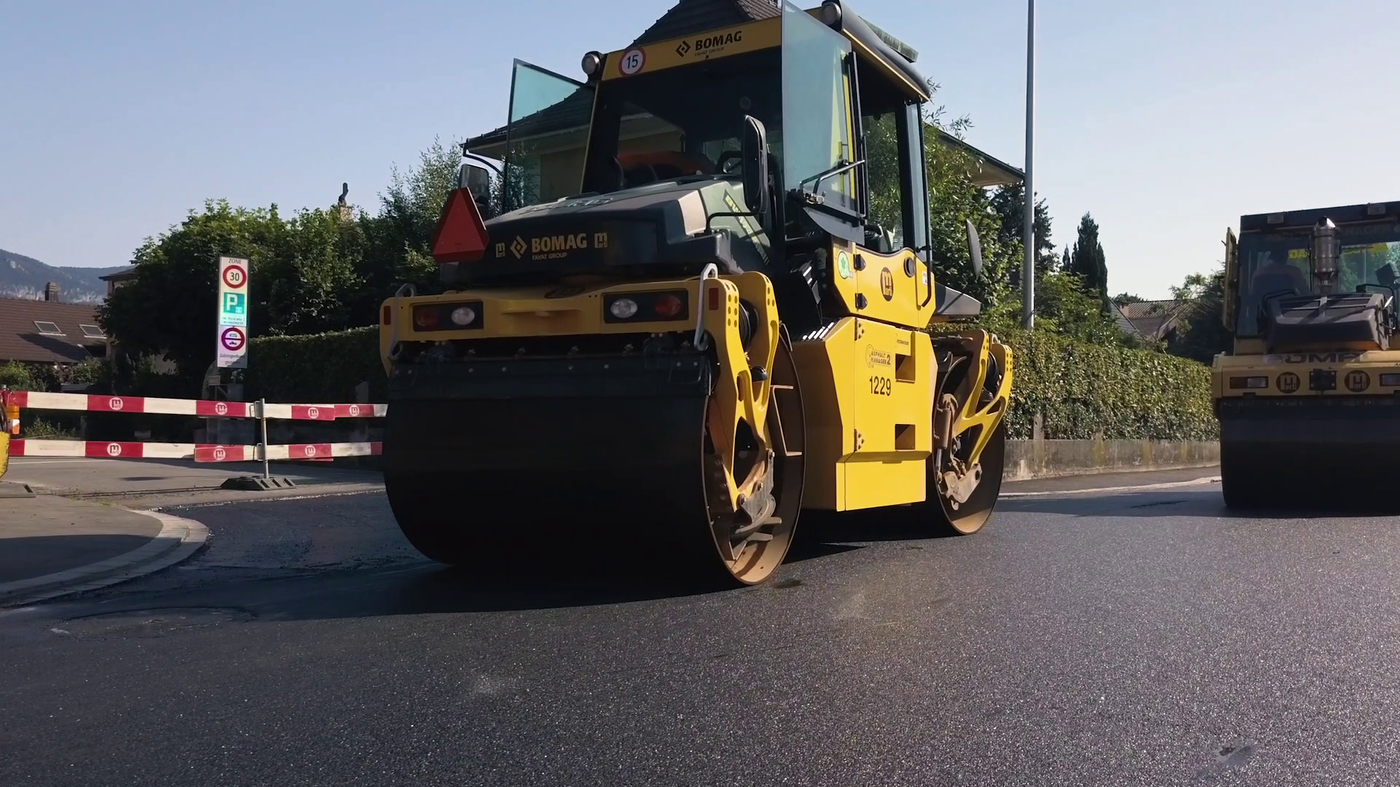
<point>547,247</point>
<point>1332,357</point>
<point>874,357</point>
<point>709,45</point>
<point>552,244</point>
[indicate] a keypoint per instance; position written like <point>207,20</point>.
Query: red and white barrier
<point>97,403</point>
<point>199,452</point>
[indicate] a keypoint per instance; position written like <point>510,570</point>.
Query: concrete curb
<point>177,540</point>
<point>1103,489</point>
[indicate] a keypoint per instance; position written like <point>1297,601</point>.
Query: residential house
<point>1150,320</point>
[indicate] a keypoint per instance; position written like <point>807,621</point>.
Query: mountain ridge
<point>26,277</point>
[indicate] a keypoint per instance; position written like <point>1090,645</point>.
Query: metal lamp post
<point>1028,266</point>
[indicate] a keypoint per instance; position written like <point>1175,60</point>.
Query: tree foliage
<point>319,270</point>
<point>1200,333</point>
<point>1087,261</point>
<point>1009,202</point>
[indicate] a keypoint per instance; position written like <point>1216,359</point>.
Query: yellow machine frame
<point>869,380</point>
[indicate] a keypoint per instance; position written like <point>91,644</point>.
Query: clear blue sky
<point>1166,121</point>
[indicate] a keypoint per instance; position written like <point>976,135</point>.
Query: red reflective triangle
<point>461,235</point>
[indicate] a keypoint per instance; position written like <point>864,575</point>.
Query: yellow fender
<point>4,453</point>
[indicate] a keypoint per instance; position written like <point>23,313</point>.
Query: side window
<point>916,214</point>
<point>546,138</point>
<point>883,165</point>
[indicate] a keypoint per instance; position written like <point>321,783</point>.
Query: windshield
<point>1275,262</point>
<point>681,122</point>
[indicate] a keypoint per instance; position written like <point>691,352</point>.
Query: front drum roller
<point>601,462</point>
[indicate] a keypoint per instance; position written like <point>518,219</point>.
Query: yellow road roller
<point>694,300</point>
<point>1310,392</point>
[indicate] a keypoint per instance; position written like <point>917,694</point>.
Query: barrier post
<point>9,413</point>
<point>262,417</point>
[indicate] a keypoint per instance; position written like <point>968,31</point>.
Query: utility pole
<point>1028,266</point>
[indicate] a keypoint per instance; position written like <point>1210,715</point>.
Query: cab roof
<point>1341,214</point>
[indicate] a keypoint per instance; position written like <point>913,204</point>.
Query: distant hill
<point>25,277</point>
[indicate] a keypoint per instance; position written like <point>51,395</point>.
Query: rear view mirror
<point>974,248</point>
<point>476,179</point>
<point>755,171</point>
<point>1386,275</point>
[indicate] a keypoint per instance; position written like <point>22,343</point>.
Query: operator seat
<point>652,166</point>
<point>1277,281</point>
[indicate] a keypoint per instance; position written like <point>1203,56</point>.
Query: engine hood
<point>1355,321</point>
<point>658,224</point>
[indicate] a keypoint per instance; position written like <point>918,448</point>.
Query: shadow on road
<point>1204,501</point>
<point>27,557</point>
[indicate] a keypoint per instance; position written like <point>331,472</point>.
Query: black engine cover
<point>1325,322</point>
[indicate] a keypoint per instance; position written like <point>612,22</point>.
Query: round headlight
<point>622,308</point>
<point>592,62</point>
<point>463,315</point>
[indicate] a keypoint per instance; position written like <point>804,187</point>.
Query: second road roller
<point>1308,396</point>
<point>695,300</point>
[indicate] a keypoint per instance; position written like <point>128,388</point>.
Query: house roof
<point>129,272</point>
<point>1150,319</point>
<point>23,336</point>
<point>697,16</point>
<point>993,172</point>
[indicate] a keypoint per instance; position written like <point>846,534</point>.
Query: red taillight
<point>387,316</point>
<point>714,298</point>
<point>425,318</point>
<point>668,306</point>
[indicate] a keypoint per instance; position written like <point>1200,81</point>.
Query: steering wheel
<point>725,157</point>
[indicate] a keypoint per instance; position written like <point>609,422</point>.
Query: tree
<point>1088,262</point>
<point>1065,306</point>
<point>1200,334</point>
<point>398,239</point>
<point>170,308</point>
<point>956,199</point>
<point>1009,202</point>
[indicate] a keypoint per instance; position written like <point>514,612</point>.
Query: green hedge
<point>1084,390</point>
<point>1080,390</point>
<point>318,368</point>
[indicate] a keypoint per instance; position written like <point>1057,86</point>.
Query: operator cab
<point>785,133</point>
<point>1287,258</point>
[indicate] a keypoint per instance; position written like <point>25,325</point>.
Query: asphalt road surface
<point>1124,639</point>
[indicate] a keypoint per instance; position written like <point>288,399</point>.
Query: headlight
<point>622,308</point>
<point>463,315</point>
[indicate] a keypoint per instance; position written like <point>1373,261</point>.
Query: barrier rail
<point>262,411</point>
